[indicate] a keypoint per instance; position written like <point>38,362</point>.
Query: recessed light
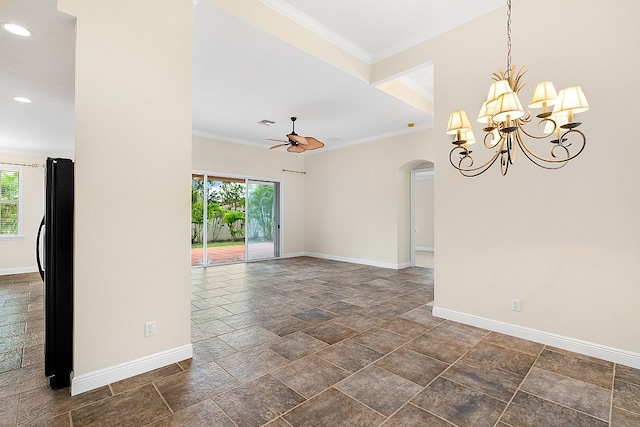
<point>22,99</point>
<point>16,29</point>
<point>266,122</point>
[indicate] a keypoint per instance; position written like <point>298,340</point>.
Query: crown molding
<point>314,26</point>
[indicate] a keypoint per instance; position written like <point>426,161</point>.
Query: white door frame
<point>412,233</point>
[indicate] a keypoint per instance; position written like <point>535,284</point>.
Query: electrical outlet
<point>149,329</point>
<point>515,304</point>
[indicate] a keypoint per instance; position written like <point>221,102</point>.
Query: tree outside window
<point>9,202</point>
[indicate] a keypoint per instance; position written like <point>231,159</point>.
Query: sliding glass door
<point>263,222</point>
<point>233,220</point>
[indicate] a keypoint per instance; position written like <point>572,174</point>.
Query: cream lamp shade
<point>469,137</point>
<point>571,99</point>
<point>496,89</point>
<point>485,114</point>
<point>508,106</point>
<point>458,121</point>
<point>544,94</point>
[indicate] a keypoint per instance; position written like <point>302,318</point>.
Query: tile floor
<point>308,342</point>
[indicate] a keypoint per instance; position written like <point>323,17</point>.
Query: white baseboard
<point>358,261</point>
<point>425,249</point>
<point>293,255</point>
<point>18,270</point>
<point>102,377</point>
<point>599,351</point>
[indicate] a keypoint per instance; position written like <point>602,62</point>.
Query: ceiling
<point>242,75</point>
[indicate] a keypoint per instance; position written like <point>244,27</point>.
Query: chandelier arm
<point>470,171</point>
<point>489,136</point>
<point>522,122</point>
<point>505,161</point>
<point>531,156</point>
<point>537,162</point>
<point>561,144</point>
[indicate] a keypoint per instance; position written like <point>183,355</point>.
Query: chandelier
<point>504,122</point>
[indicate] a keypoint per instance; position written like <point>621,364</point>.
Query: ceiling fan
<point>297,143</point>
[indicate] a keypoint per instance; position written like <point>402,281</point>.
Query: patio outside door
<point>263,222</point>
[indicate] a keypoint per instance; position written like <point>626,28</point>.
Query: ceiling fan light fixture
<point>297,143</point>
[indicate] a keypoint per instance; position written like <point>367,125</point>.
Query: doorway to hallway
<point>422,218</point>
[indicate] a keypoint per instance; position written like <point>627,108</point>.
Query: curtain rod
<point>289,170</point>
<point>32,165</point>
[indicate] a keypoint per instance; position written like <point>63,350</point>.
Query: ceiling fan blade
<point>296,149</point>
<point>277,146</point>
<point>277,140</point>
<point>297,138</point>
<point>313,143</point>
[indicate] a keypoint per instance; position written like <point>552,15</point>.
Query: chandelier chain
<point>508,71</point>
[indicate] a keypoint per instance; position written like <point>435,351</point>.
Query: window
<point>10,201</point>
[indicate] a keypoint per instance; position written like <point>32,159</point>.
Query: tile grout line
<point>520,385</point>
<point>440,375</point>
<point>613,387</point>
<point>551,401</point>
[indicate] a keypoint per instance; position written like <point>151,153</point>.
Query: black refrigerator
<point>57,271</point>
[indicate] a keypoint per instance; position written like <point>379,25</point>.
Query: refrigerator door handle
<point>38,249</point>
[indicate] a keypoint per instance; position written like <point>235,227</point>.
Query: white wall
<point>566,243</point>
<point>17,255</point>
<point>132,193</point>
<point>243,161</point>
<point>423,199</point>
<point>358,199</point>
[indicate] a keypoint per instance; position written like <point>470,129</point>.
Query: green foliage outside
<point>225,201</point>
<point>231,195</point>
<point>261,208</point>
<point>9,191</point>
<point>235,222</point>
<point>225,208</point>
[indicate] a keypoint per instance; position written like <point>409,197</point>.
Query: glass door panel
<point>262,225</point>
<point>197,223</point>
<point>226,217</point>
